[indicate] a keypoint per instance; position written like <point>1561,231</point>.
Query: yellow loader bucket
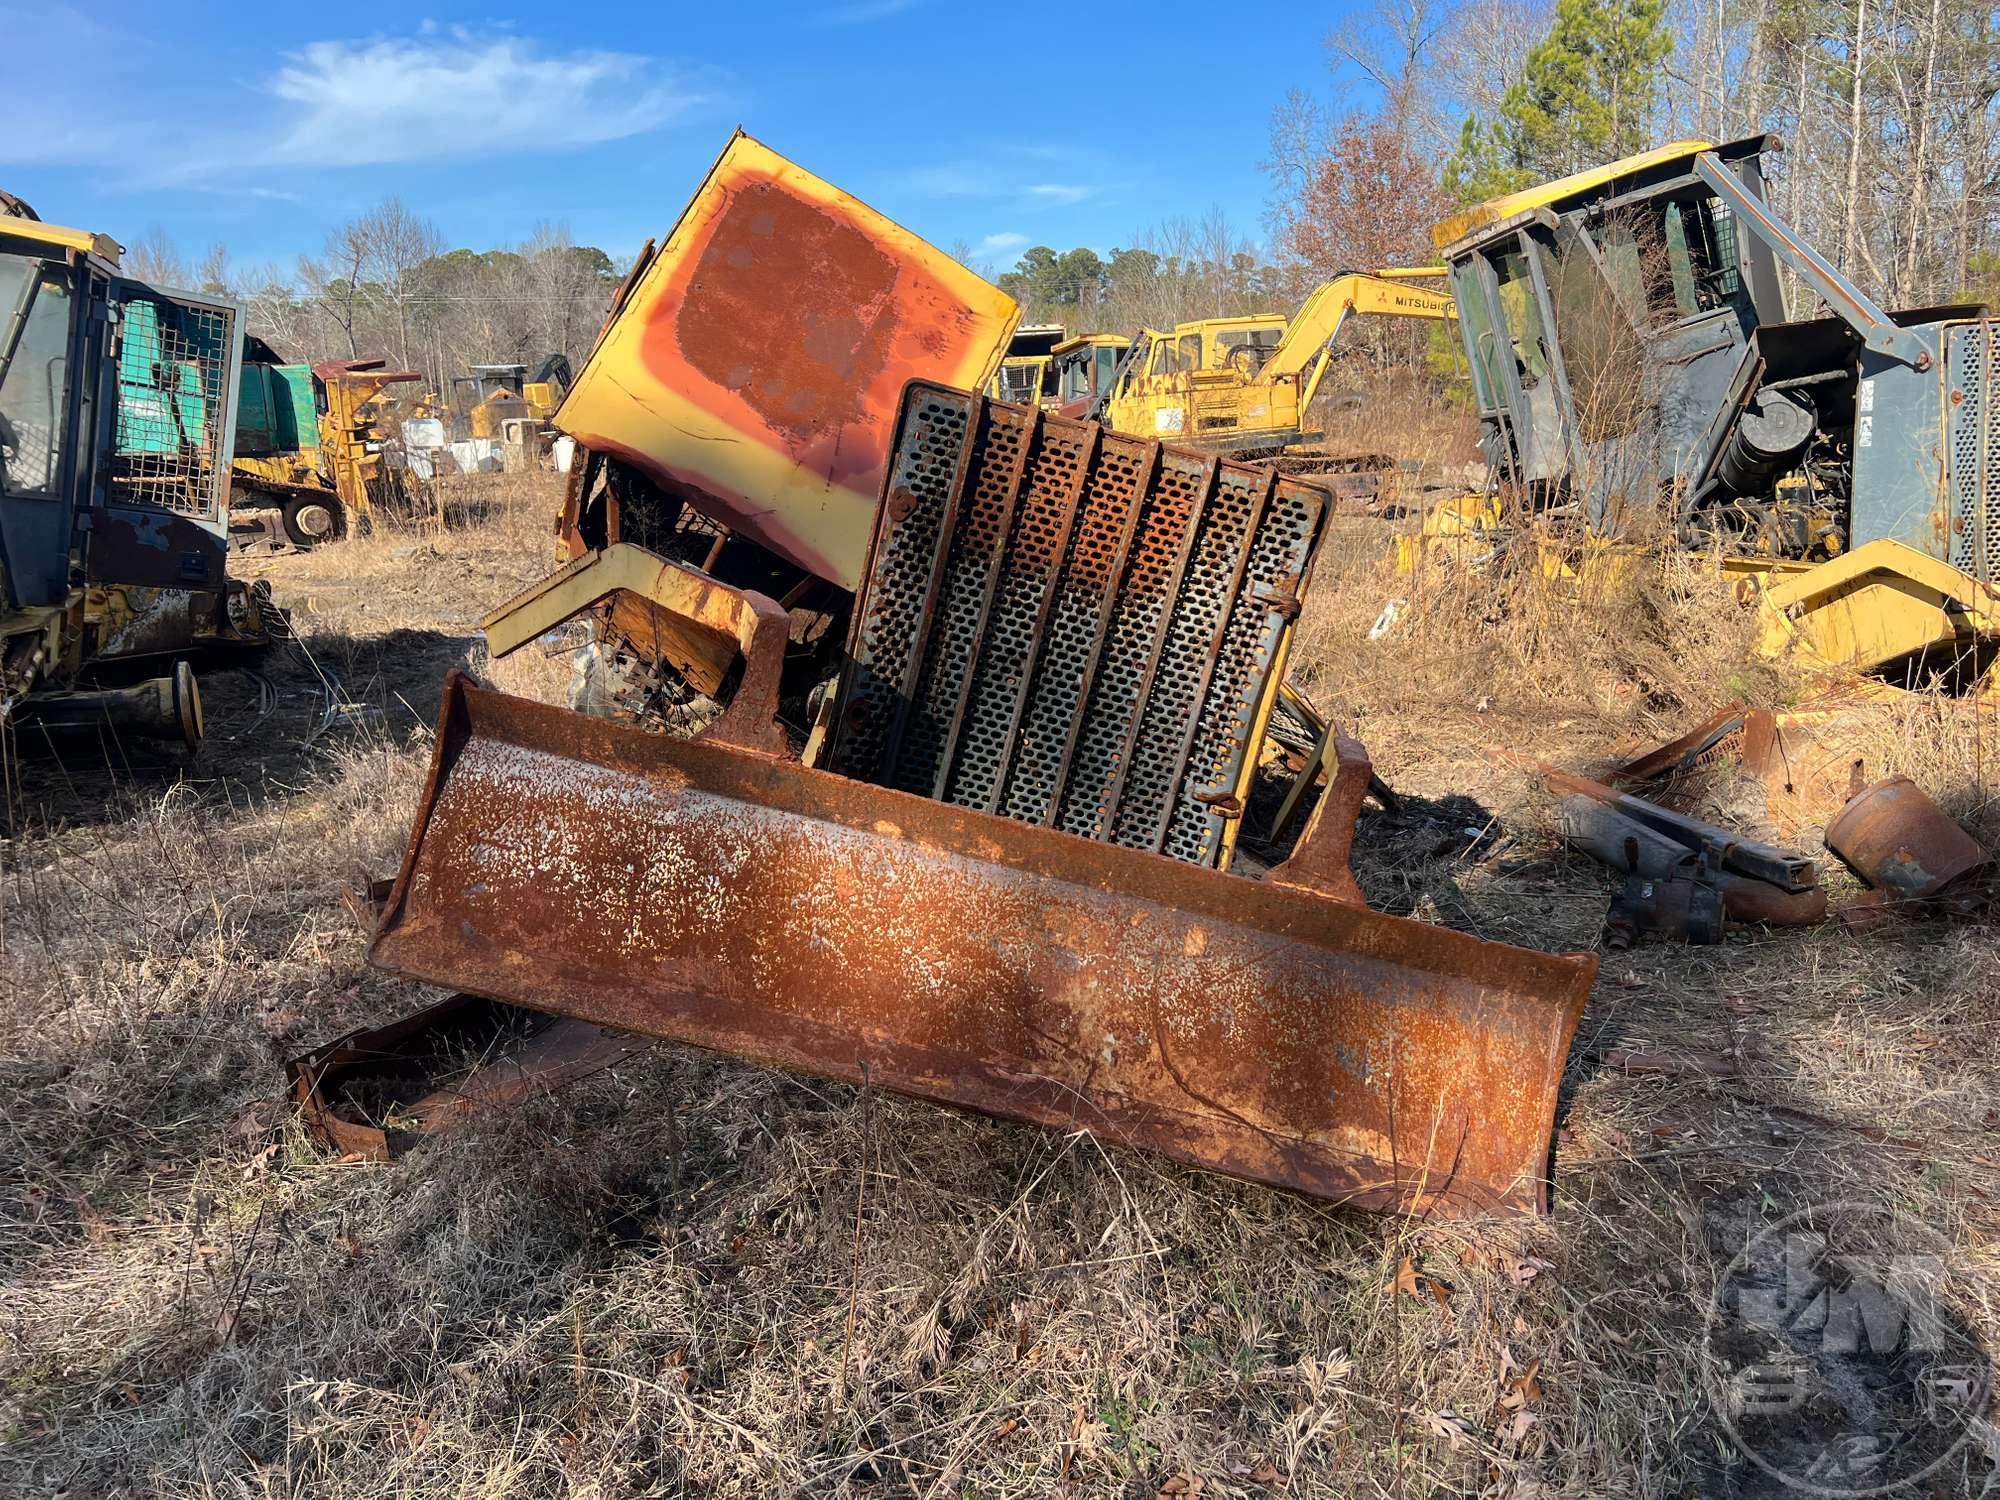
<point>724,896</point>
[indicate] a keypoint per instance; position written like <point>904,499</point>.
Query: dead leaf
<point>1471,1255</point>
<point>1515,1428</point>
<point>1181,1484</point>
<point>260,1163</point>
<point>1527,1268</point>
<point>1266,1473</point>
<point>1405,1280</point>
<point>1441,1294</point>
<point>1450,1426</point>
<point>1008,1425</point>
<point>1525,1389</point>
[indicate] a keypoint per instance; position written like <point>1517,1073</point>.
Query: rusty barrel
<point>740,901</point>
<point>1894,837</point>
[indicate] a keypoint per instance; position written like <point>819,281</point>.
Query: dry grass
<point>696,1276</point>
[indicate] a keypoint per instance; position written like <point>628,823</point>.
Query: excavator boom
<point>1389,294</point>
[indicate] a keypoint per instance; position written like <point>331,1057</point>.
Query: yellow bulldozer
<point>922,726</point>
<point>1630,349</point>
<point>118,401</point>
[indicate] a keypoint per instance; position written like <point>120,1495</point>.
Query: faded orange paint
<point>757,367</point>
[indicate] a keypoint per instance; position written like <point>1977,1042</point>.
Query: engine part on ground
<point>1902,843</point>
<point>165,710</point>
<point>1787,869</point>
<point>378,1092</point>
<point>1682,908</point>
<point>1634,848</point>
<point>725,897</point>
<point>1072,628</point>
<point>755,366</point>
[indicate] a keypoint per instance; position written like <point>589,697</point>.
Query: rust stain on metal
<point>739,901</point>
<point>802,369</point>
<point>1894,837</point>
<point>377,1093</point>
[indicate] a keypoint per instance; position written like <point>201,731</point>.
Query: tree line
<point>384,285</point>
<point>1889,112</point>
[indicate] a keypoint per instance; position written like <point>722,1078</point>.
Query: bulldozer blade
<point>739,901</point>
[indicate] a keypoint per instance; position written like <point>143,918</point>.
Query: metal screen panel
<point>1972,447</point>
<point>1067,626</point>
<point>175,378</point>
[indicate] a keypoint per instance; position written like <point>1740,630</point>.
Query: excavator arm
<point>1309,338</point>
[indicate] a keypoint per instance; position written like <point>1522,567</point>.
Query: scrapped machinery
<point>1082,370</point>
<point>489,396</point>
<point>1628,340</point>
<point>1026,373</point>
<point>310,445</point>
<point>1244,386</point>
<point>117,411</point>
<point>931,743</point>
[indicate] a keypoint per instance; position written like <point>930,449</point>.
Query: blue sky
<point>262,125</point>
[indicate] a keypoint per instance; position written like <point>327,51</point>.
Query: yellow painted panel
<point>757,367</point>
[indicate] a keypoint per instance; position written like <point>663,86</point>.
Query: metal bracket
<point>1853,306</point>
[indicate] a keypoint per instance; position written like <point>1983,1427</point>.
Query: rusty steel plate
<point>742,902</point>
<point>756,364</point>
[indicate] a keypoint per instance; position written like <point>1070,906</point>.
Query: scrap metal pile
<point>986,689</point>
<point>923,728</point>
<point>1691,879</point>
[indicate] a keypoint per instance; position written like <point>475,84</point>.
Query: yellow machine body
<point>755,365</point>
<point>1248,383</point>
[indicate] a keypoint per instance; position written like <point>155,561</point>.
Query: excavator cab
<point>1084,369</point>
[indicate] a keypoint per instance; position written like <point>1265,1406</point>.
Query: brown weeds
<point>696,1276</point>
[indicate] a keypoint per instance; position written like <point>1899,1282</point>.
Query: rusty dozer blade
<point>718,895</point>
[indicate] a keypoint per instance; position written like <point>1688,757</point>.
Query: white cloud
<point>455,95</point>
<point>442,94</point>
<point>864,11</point>
<point>992,182</point>
<point>999,244</point>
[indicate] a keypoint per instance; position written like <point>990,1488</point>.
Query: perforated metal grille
<point>923,477</point>
<point>1132,645</point>
<point>1278,557</point>
<point>1972,441</point>
<point>971,564</point>
<point>173,405</point>
<point>1081,614</point>
<point>1201,607</point>
<point>1075,631</point>
<point>1034,552</point>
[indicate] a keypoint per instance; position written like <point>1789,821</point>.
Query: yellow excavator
<point>1630,348</point>
<point>1245,386</point>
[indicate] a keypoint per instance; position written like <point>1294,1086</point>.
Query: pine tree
<point>1585,97</point>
